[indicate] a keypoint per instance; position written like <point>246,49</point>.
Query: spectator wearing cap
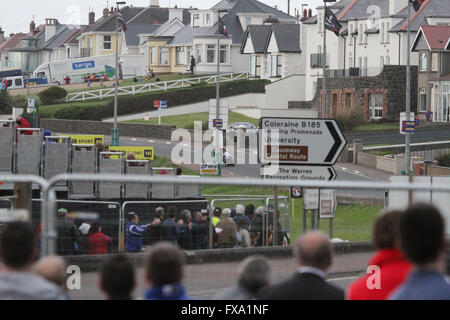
<point>17,281</point>
<point>422,239</point>
<point>217,215</point>
<point>393,266</point>
<point>314,255</point>
<point>226,231</point>
<point>117,278</point>
<point>97,241</point>
<point>134,232</point>
<point>164,273</point>
<point>68,235</point>
<point>253,276</point>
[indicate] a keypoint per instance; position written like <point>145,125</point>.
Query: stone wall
<point>432,170</point>
<point>354,92</point>
<point>104,128</point>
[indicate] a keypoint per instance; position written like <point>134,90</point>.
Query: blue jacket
<point>167,292</point>
<point>171,231</point>
<point>423,285</point>
<point>133,237</point>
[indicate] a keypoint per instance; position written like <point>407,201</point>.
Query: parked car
<point>247,126</point>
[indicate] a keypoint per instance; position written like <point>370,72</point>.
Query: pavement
<point>205,280</point>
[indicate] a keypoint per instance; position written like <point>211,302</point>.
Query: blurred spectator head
<point>62,213</point>
<point>159,212</point>
<point>249,210</point>
<point>95,227</point>
<point>226,213</point>
<point>198,217</point>
<point>117,278</point>
<point>17,245</point>
<point>254,274</point>
<point>133,217</point>
<point>240,209</point>
<point>53,269</point>
<point>100,147</point>
<point>422,234</point>
<point>172,212</point>
<point>233,212</point>
<point>164,265</point>
<point>218,212</point>
<point>260,211</point>
<point>314,249</point>
<point>186,214</point>
<point>130,156</point>
<point>179,172</point>
<point>47,133</point>
<point>385,231</point>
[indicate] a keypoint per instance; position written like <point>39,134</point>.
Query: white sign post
<point>328,204</point>
<point>311,199</point>
<point>31,105</point>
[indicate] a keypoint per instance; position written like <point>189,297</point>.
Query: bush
<point>444,160</point>
<point>6,103</point>
<point>144,102</point>
<point>351,120</point>
<point>52,95</point>
<point>20,101</point>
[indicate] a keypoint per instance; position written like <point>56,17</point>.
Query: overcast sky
<point>16,16</point>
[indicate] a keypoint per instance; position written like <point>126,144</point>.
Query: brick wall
<point>104,128</point>
<point>391,83</point>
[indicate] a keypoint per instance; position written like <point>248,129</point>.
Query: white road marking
<point>151,141</point>
<point>133,139</point>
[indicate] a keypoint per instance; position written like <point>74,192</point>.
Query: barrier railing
<point>49,192</point>
<point>154,86</point>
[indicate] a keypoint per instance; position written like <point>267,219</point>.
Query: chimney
<point>105,12</point>
<point>175,13</point>
<point>2,35</point>
<point>91,18</point>
<point>309,13</point>
<point>154,3</point>
<point>32,26</point>
<point>50,28</point>
<point>305,13</point>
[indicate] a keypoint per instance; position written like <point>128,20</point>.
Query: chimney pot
<point>91,18</point>
<point>310,13</point>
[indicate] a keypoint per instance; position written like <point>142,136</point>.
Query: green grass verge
<point>186,121</point>
<point>376,126</point>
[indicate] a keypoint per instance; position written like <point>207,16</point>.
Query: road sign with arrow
<point>302,173</point>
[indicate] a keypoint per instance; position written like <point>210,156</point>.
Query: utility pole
<point>408,104</point>
<point>216,153</point>
<point>324,61</point>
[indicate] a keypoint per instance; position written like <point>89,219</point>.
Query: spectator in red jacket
<point>23,123</point>
<point>393,267</point>
<point>97,241</point>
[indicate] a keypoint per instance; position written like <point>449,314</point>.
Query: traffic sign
<point>209,169</point>
<point>300,141</point>
<point>302,173</point>
<point>296,192</point>
<point>311,199</point>
<point>328,204</point>
<point>218,123</point>
<point>164,104</point>
<point>407,125</point>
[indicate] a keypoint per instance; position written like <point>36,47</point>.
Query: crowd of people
<point>410,260</point>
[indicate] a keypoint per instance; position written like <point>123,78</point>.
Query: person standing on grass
<point>192,64</point>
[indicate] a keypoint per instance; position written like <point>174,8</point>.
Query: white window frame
<point>180,56</point>
<point>223,50</point>
<point>153,54</point>
<point>423,62</point>
<point>422,106</point>
<point>211,48</point>
<point>388,27</point>
<point>382,33</point>
<point>375,106</point>
<point>163,50</point>
<point>105,42</point>
<point>434,62</point>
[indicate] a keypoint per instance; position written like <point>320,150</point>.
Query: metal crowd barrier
<point>136,190</point>
<point>84,160</point>
<point>109,165</point>
<point>7,144</point>
<point>163,190</point>
<point>29,151</point>
<point>57,154</point>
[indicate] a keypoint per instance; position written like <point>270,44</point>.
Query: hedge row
<point>144,103</point>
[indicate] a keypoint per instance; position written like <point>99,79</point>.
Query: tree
<point>6,103</point>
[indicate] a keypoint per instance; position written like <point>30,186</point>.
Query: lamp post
<point>115,133</point>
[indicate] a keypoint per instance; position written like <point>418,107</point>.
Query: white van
<point>16,82</point>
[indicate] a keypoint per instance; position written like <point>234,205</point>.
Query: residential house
<point>374,34</point>
<point>200,38</point>
<point>5,61</point>
<point>274,50</point>
<point>433,45</point>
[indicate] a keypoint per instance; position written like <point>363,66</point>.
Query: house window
<point>350,34</point>
<point>334,99</point>
<point>153,55</point>
<point>223,53</point>
<point>253,63</point>
<point>207,19</point>
<point>195,18</point>
<point>382,33</point>
<point>181,58</point>
<point>361,34</point>
<point>107,42</point>
<point>199,53</point>
<point>434,62</point>
<point>163,56</point>
<point>275,67</point>
<point>365,34</point>
<point>375,106</point>
<point>423,100</point>
<point>188,54</point>
<point>388,27</point>
<point>348,100</point>
<point>268,66</point>
<point>210,53</point>
<point>423,61</point>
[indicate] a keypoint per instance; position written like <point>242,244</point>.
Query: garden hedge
<point>144,103</point>
<point>52,95</point>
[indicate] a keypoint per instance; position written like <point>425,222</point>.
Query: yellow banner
<point>86,139</point>
<point>141,153</point>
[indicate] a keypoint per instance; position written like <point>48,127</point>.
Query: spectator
<point>246,240</point>
<point>134,233</point>
<point>2,86</point>
<point>394,268</point>
<point>256,228</point>
<point>68,235</point>
<point>240,217</point>
<point>226,231</point>
<point>314,254</point>
<point>192,64</point>
<point>156,232</point>
<point>83,241</point>
<point>200,232</point>
<point>249,211</point>
<point>422,239</point>
<point>22,123</point>
<point>217,215</point>
<point>97,241</point>
<point>164,273</point>
<point>254,275</point>
<point>185,229</point>
<point>53,269</point>
<point>117,278</point>
<point>17,282</point>
<point>179,172</point>
<point>171,228</point>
